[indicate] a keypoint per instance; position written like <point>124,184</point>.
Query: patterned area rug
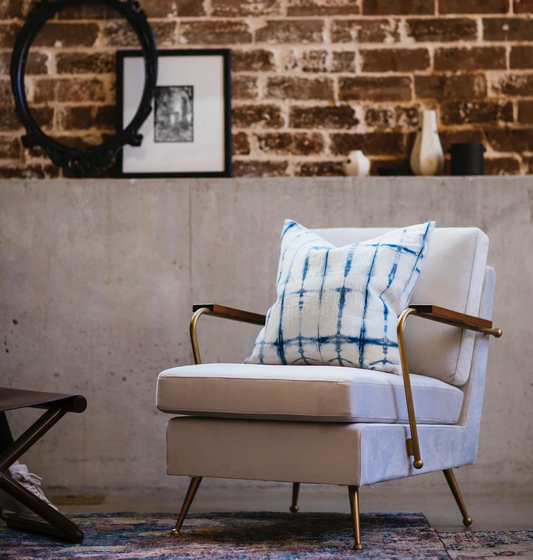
<point>271,536</point>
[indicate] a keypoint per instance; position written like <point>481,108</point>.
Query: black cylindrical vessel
<point>467,159</point>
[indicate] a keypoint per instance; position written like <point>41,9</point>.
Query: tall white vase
<point>427,157</point>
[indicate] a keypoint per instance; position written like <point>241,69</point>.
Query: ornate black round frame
<point>81,161</point>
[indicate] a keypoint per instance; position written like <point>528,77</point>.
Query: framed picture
<point>188,133</point>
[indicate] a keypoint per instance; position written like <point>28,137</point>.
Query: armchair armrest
<point>440,315</point>
<point>223,312</point>
<point>456,319</point>
<point>230,313</point>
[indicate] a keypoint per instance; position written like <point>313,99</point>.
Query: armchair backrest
<point>452,277</point>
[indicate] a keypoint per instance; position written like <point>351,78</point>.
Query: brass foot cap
<point>467,521</point>
<point>418,464</point>
<point>358,547</point>
<point>294,509</point>
<point>175,532</point>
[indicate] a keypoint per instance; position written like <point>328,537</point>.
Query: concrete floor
<point>492,509</point>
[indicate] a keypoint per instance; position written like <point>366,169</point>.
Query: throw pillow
<point>339,305</point>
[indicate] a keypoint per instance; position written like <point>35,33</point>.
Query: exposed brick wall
<point>312,79</point>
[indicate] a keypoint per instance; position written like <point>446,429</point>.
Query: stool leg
<point>354,507</point>
<point>454,487</point>
<point>191,492</point>
<point>295,491</point>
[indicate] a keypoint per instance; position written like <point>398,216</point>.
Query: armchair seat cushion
<point>304,393</point>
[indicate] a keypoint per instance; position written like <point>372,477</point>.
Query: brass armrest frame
<point>219,311</point>
<point>440,315</point>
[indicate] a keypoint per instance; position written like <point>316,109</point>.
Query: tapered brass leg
<point>295,491</point>
<point>354,507</point>
<point>454,487</point>
<point>191,492</point>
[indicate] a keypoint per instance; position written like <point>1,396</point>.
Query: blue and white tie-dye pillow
<point>339,305</point>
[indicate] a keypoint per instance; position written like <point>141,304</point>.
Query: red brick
<point>314,61</point>
<point>29,171</point>
<point>373,143</point>
<point>267,116</point>
<point>281,87</point>
<point>291,31</point>
<point>244,8</point>
<point>161,8</point>
<point>473,6</point>
<point>85,63</point>
<point>6,96</point>
<point>442,29</point>
<point>258,60</point>
<point>343,61</point>
<point>521,57</point>
<point>507,29</point>
<point>240,145</point>
<point>502,166</point>
<point>451,136</point>
<point>365,31</point>
<point>483,112</point>
<point>244,87</point>
<point>71,90</point>
<point>298,143</point>
<point>322,8</point>
<point>398,7</point>
<point>389,117</point>
<point>35,64</point>
<point>259,168</point>
<point>470,58</point>
<point>190,8</point>
<point>375,89</point>
<point>380,117</point>
<point>13,9</point>
<point>9,148</point>
<point>510,140</point>
<point>85,12</point>
<point>460,86</point>
<point>8,32</point>
<point>525,112</point>
<point>523,6</point>
<point>9,122</point>
<point>215,32</point>
<point>515,85</point>
<point>83,118</point>
<point>118,33</point>
<point>320,169</point>
<point>394,60</point>
<point>342,116</point>
<point>55,34</point>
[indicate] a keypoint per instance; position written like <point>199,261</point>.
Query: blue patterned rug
<point>269,536</point>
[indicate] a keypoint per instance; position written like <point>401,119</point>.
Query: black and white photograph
<point>173,114</point>
<point>188,133</point>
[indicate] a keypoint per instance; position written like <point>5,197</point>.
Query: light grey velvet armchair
<point>340,425</point>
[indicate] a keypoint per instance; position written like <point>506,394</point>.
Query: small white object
<point>427,157</point>
<point>356,164</point>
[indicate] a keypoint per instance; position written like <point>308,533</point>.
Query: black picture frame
<point>225,54</point>
<point>82,160</point>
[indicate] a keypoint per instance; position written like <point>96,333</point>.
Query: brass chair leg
<point>354,508</point>
<point>191,492</point>
<point>454,487</point>
<point>295,491</point>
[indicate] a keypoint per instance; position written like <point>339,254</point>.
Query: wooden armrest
<point>456,319</point>
<point>230,313</point>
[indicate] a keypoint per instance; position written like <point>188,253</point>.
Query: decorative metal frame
<point>81,161</point>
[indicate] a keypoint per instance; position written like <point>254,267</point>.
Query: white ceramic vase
<point>427,157</point>
<point>356,164</point>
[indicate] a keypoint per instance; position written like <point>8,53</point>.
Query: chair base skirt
<point>302,451</point>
